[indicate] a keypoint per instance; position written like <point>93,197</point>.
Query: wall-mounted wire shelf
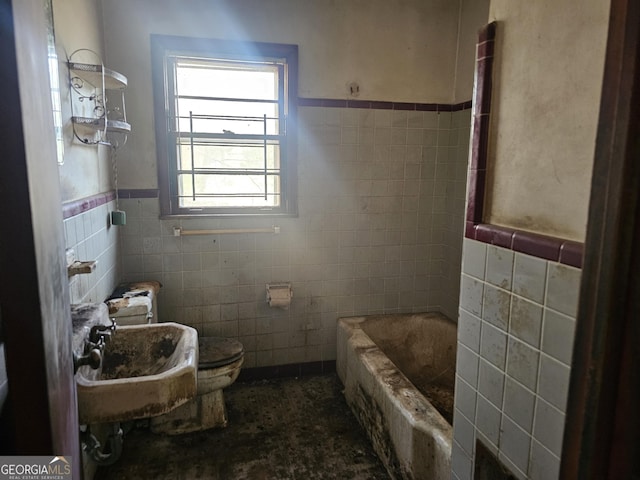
<point>94,74</point>
<point>88,126</point>
<point>94,115</point>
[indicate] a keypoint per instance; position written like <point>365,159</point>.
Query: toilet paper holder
<point>279,294</point>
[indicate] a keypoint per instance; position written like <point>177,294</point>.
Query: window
<point>225,126</point>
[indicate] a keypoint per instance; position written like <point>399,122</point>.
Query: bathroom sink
<point>146,370</point>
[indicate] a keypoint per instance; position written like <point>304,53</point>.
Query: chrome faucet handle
<point>97,344</point>
<point>102,332</point>
<point>93,358</point>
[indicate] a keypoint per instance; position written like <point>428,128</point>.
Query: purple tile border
<point>571,253</point>
<point>138,193</point>
<point>76,207</point>
<point>488,32</point>
<point>368,104</point>
<point>541,246</point>
<point>494,235</point>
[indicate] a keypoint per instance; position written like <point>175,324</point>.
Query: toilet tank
<point>134,303</point>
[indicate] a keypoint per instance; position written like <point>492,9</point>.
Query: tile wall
<point>381,205</point>
<point>515,340</point>
<point>454,221</point>
<point>93,238</point>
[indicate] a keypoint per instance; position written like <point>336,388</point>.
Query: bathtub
<point>399,372</point>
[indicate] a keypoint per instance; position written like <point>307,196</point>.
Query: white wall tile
<point>493,345</point>
<point>171,262</point>
<point>549,426</point>
<point>364,192</point>
<point>525,321</point>
<point>88,225</point>
<point>465,399</point>
<point>553,383</point>
<point>70,232</point>
<point>519,404</point>
<point>499,267</point>
<point>89,235</point>
<point>151,245</point>
<point>464,432</point>
<point>558,335</point>
<point>467,365</point>
<point>529,277</point>
<point>531,397</point>
<point>563,287</point>
<point>469,330</point>
<point>149,207</point>
<point>522,363</point>
<point>471,293</point>
<point>491,383</point>
<point>495,306</point>
<point>515,444</point>
<point>511,466</point>
<point>474,258</point>
<point>461,464</point>
<point>131,245</point>
<point>488,419</point>
<point>543,464</point>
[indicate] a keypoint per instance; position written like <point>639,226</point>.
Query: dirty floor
<point>293,429</point>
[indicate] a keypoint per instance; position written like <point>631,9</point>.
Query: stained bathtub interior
<point>426,355</point>
<point>398,371</point>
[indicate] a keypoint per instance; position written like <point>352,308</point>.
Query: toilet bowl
<point>219,363</point>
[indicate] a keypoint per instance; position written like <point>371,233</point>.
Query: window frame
<point>165,46</point>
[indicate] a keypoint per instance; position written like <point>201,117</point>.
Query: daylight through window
<point>228,140</point>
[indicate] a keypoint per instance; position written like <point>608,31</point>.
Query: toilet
<point>219,363</point>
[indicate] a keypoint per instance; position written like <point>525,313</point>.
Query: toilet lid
<point>218,351</point>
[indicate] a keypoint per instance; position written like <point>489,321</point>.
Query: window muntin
<point>229,136</point>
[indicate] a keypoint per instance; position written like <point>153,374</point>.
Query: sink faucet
<point>99,335</point>
<point>102,333</point>
<point>93,358</point>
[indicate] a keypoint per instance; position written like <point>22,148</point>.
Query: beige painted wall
<point>473,15</point>
<point>398,50</point>
<point>548,77</point>
<point>86,170</point>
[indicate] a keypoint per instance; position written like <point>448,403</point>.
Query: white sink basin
<point>146,370</point>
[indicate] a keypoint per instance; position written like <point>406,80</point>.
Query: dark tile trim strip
<point>291,370</point>
<point>138,193</point>
<point>541,246</point>
<point>571,253</point>
<point>488,32</point>
<point>400,106</point>
<point>76,207</point>
<point>335,103</point>
<point>480,128</point>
